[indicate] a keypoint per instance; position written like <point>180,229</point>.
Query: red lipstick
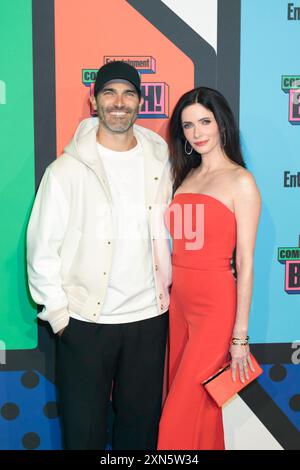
<point>201,142</point>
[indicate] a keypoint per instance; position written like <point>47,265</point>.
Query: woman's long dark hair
<point>181,163</point>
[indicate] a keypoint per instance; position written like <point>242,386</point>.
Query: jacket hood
<point>83,145</point>
<point>85,132</point>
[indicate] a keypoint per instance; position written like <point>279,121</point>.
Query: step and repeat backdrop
<point>247,49</point>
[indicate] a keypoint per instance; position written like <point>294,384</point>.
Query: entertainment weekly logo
<point>293,12</point>
<point>132,222</point>
<point>290,257</point>
<point>290,84</point>
<point>155,94</point>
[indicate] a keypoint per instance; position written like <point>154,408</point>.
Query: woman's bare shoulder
<point>243,176</point>
<point>244,183</point>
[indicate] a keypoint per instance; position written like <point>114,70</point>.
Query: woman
<point>215,211</point>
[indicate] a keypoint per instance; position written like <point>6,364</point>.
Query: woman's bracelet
<point>240,341</point>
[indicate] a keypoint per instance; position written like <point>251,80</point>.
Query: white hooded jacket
<point>70,241</point>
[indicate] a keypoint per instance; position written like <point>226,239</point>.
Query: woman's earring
<point>185,149</point>
<point>224,138</point>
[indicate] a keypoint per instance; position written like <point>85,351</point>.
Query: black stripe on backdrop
<point>44,85</point>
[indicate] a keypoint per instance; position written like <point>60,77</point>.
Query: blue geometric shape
<point>31,419</point>
<point>282,390</point>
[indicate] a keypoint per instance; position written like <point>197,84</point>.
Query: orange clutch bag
<point>221,387</point>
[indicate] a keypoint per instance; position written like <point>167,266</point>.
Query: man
<point>101,268</point>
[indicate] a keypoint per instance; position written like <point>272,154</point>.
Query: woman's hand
<point>240,361</point>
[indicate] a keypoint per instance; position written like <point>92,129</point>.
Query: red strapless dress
<point>202,315</point>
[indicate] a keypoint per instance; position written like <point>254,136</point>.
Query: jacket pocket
<point>77,297</point>
<point>69,249</point>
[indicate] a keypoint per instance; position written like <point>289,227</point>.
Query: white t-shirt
<point>131,287</point>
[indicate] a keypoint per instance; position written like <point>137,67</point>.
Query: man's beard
<point>117,124</point>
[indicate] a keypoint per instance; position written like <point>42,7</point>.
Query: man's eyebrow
<point>109,88</point>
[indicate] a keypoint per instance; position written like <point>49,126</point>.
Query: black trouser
<point>92,356</point>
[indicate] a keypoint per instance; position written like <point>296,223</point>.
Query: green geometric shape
<point>17,180</point>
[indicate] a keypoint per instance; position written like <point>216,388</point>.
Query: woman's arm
<point>247,205</point>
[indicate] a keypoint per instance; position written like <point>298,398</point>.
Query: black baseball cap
<point>117,70</point>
